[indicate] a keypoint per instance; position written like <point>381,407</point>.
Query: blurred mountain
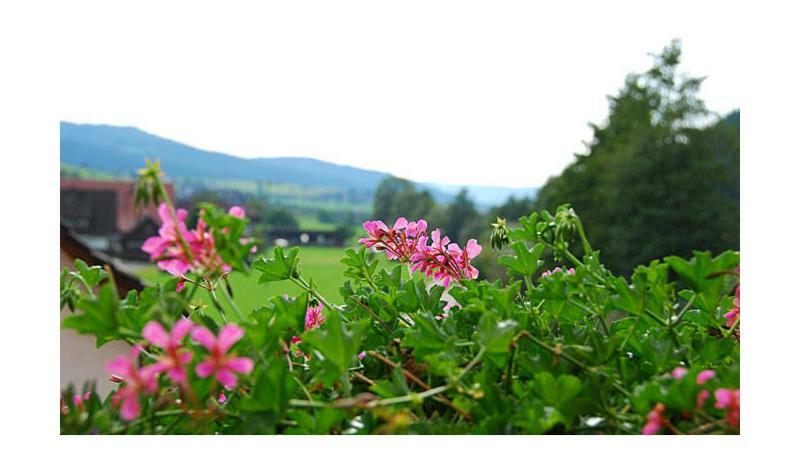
<point>122,150</point>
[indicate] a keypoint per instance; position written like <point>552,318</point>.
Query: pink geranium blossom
<point>679,372</point>
<point>733,315</point>
<point>558,269</point>
<point>445,261</point>
<point>178,250</point>
<point>728,399</point>
<point>236,211</point>
<point>166,248</point>
<point>314,316</point>
<point>399,241</point>
<point>314,319</point>
<point>705,376</point>
<point>222,365</point>
<point>655,420</point>
<point>408,242</point>
<point>175,357</point>
<point>138,381</point>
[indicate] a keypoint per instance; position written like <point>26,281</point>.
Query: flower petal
<point>236,211</point>
<point>242,365</point>
<point>180,329</point>
<point>228,336</point>
<point>156,334</point>
<point>204,369</point>
<point>205,337</point>
<point>121,366</point>
<point>227,378</point>
<point>130,406</point>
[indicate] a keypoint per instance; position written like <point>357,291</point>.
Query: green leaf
<point>495,335</point>
<point>360,265</point>
<point>556,392</point>
<point>274,387</point>
<point>280,267</point>
<point>90,275</point>
<point>337,343</point>
<point>97,316</point>
<point>525,262</point>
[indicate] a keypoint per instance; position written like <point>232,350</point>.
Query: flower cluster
<point>728,399</point>
<point>399,242</point>
<point>445,261</point>
<point>408,242</point>
<point>655,420</point>
<point>702,377</point>
<point>179,250</point>
<point>138,381</point>
<point>314,319</point>
<point>725,399</point>
<point>733,315</point>
<point>79,401</point>
<point>222,365</point>
<point>557,269</point>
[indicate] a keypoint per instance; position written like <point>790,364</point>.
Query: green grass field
<point>318,263</point>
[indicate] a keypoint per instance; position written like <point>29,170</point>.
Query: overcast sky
<point>492,94</point>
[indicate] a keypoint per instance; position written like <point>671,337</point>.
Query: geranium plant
<point>423,346</point>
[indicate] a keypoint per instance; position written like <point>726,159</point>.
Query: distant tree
<point>461,213</point>
<point>655,182</point>
<point>513,208</point>
<point>397,197</point>
<point>387,193</point>
<point>280,217</point>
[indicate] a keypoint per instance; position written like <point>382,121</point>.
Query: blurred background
<point>659,176</point>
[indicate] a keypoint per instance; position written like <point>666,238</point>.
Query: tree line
<point>660,177</point>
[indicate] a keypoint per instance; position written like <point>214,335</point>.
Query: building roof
<point>74,248</point>
<point>127,215</point>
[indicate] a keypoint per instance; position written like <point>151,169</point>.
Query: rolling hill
<point>122,150</point>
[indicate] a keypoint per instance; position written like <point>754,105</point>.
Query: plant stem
<point>218,305</point>
<point>233,305</point>
<point>559,353</point>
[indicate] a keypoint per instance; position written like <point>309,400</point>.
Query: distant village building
<point>288,237</point>
<point>103,215</point>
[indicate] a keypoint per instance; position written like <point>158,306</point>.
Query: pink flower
<point>445,261</point>
<point>314,319</point>
<point>314,316</point>
<point>705,376</point>
<point>728,399</point>
<point>732,316</point>
<point>362,355</point>
<point>178,250</point>
<point>175,357</point>
<point>655,420</point>
<point>679,372</point>
<point>558,269</point>
<point>138,381</point>
<point>222,398</point>
<point>236,211</point>
<point>702,397</point>
<point>399,242</point>
<point>222,365</point>
<point>79,400</point>
<point>166,247</point>
<point>296,351</point>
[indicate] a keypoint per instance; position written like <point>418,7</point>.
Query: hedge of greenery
<point>423,347</point>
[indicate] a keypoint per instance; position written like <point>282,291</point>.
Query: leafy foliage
<point>578,350</point>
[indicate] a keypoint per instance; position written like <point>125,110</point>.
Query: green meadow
<point>318,263</point>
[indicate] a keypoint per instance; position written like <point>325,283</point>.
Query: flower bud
<point>499,237</point>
